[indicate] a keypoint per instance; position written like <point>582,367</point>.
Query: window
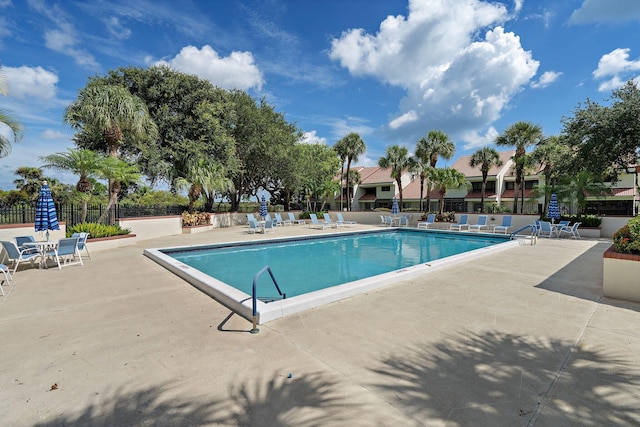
<point>385,188</point>
<point>477,186</point>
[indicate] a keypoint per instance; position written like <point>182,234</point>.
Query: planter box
<point>197,229</point>
<point>621,273</point>
<point>589,232</point>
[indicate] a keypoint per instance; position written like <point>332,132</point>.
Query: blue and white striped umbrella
<point>395,210</point>
<point>554,211</point>
<point>263,207</point>
<point>46,216</point>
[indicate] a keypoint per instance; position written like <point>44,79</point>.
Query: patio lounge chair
<point>17,256</point>
<point>403,221</point>
<point>269,226</point>
<point>573,230</point>
<point>7,277</point>
<point>342,220</point>
<point>481,224</point>
<point>20,243</point>
<point>316,223</point>
<point>295,221</point>
<point>280,221</point>
<point>82,242</point>
<point>431,219</point>
<point>463,223</point>
<point>65,253</point>
<point>328,220</point>
<point>250,217</point>
<point>504,227</point>
<point>253,226</point>
<point>545,229</point>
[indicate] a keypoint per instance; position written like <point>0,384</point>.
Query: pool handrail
<point>531,227</point>
<point>255,330</point>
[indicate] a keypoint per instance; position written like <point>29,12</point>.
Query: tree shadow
<point>503,379</point>
<point>279,401</point>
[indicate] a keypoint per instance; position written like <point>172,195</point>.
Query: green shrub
<point>306,214</point>
<point>196,218</point>
<point>97,230</point>
<point>627,239</point>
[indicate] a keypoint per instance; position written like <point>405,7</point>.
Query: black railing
<point>72,213</point>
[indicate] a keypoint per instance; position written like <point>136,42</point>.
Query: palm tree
<point>520,135</point>
<point>445,178</point>
<point>577,187</point>
<point>117,172</point>
<point>5,118</point>
<point>397,159</point>
<point>351,147</point>
<point>111,111</point>
<point>30,181</point>
<point>436,144</point>
<point>486,158</point>
<point>84,163</point>
<point>203,177</point>
<point>421,168</point>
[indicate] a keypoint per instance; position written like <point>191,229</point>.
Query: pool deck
<point>516,338</point>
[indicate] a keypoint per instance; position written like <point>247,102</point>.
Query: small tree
<point>486,158</point>
<point>445,178</point>
<point>397,159</point>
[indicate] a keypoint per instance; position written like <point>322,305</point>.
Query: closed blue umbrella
<point>554,211</point>
<point>46,216</point>
<point>395,210</point>
<point>263,207</point>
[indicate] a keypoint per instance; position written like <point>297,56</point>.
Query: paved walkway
<point>518,338</point>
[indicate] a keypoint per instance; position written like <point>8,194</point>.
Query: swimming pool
<point>330,267</point>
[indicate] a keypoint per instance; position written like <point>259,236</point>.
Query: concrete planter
<point>104,243</point>
<point>621,273</point>
<point>197,229</point>
<point>589,232</point>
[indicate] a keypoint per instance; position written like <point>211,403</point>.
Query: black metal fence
<point>72,213</point>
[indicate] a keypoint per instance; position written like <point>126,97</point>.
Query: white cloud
<point>31,82</point>
<point>312,138</point>
<point>475,140</point>
<point>546,79</point>
<point>63,38</point>
<point>616,68</point>
<point>52,134</point>
<point>593,11</point>
<point>116,29</point>
<point>458,65</point>
<point>236,71</point>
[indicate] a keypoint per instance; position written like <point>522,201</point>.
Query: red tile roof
<point>412,191</point>
<point>477,194</point>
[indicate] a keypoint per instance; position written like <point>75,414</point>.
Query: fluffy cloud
<point>546,79</point>
<point>312,138</point>
<point>615,68</point>
<point>31,82</point>
<point>236,71</point>
<point>606,11</point>
<point>458,65</point>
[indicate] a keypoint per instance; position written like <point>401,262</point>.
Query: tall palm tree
<point>84,163</point>
<point>520,135</point>
<point>436,144</point>
<point>445,178</point>
<point>421,168</point>
<point>342,154</point>
<point>117,172</point>
<point>30,180</point>
<point>486,158</point>
<point>351,147</point>
<point>397,159</point>
<point>5,118</point>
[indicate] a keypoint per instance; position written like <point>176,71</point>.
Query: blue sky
<point>389,70</point>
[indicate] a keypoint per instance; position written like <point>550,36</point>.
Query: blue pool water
<point>306,265</point>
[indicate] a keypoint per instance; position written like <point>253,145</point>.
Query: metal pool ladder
<point>264,269</point>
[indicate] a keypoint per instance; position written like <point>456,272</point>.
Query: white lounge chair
<point>504,227</point>
<point>463,223</point>
<point>328,220</point>
<point>573,230</point>
<point>253,226</point>
<point>65,253</point>
<point>342,220</point>
<point>403,221</point>
<point>17,256</point>
<point>480,225</point>
<point>7,277</point>
<point>295,221</point>
<point>431,219</point>
<point>280,221</point>
<point>82,242</point>
<point>269,226</point>
<point>315,223</point>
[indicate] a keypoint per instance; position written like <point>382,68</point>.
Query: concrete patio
<point>522,338</point>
